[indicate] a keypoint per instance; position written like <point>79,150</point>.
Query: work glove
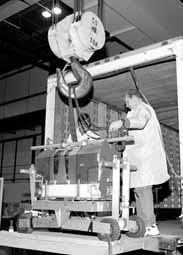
<point>125,121</point>
<point>115,125</point>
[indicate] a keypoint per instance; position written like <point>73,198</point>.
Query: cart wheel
<point>141,227</point>
<point>115,230</point>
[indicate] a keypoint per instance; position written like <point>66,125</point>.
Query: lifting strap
<point>77,10</point>
<point>72,127</point>
<point>85,84</point>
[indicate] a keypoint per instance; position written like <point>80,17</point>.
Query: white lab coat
<point>147,152</point>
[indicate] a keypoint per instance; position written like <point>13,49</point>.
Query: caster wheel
<point>115,230</point>
<point>140,227</point>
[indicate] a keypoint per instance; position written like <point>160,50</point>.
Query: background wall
<point>171,141</point>
<point>21,93</point>
<point>28,88</point>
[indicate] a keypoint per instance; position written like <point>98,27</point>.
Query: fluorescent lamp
<point>46,14</point>
<point>56,10</point>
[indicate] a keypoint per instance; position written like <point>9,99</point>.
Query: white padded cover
<point>79,39</point>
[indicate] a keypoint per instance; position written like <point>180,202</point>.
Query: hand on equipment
<point>115,125</point>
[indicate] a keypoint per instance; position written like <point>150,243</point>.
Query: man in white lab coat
<point>147,153</point>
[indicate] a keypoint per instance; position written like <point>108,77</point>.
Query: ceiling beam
<point>18,70</point>
<point>116,39</point>
<point>24,54</point>
<point>122,31</point>
<point>14,6</point>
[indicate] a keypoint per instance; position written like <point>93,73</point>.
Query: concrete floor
<point>171,227</point>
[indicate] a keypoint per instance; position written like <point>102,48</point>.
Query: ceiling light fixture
<point>56,10</point>
<point>46,14</point>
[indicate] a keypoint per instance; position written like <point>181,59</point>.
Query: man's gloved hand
<point>115,125</point>
<point>125,120</point>
<point>126,123</point>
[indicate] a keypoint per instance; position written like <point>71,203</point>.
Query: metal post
<point>15,160</point>
<point>2,157</point>
<point>125,189</point>
<point>50,109</point>
<point>33,153</point>
<point>115,188</point>
<point>179,70</point>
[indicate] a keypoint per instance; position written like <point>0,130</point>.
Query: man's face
<point>129,101</point>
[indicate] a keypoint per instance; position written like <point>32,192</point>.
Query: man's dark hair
<point>134,92</point>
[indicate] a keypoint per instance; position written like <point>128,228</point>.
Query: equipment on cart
<point>80,165</point>
<point>76,187</point>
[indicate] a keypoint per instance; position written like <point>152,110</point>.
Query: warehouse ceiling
<point>156,81</point>
<point>23,37</point>
<point>129,25</point>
